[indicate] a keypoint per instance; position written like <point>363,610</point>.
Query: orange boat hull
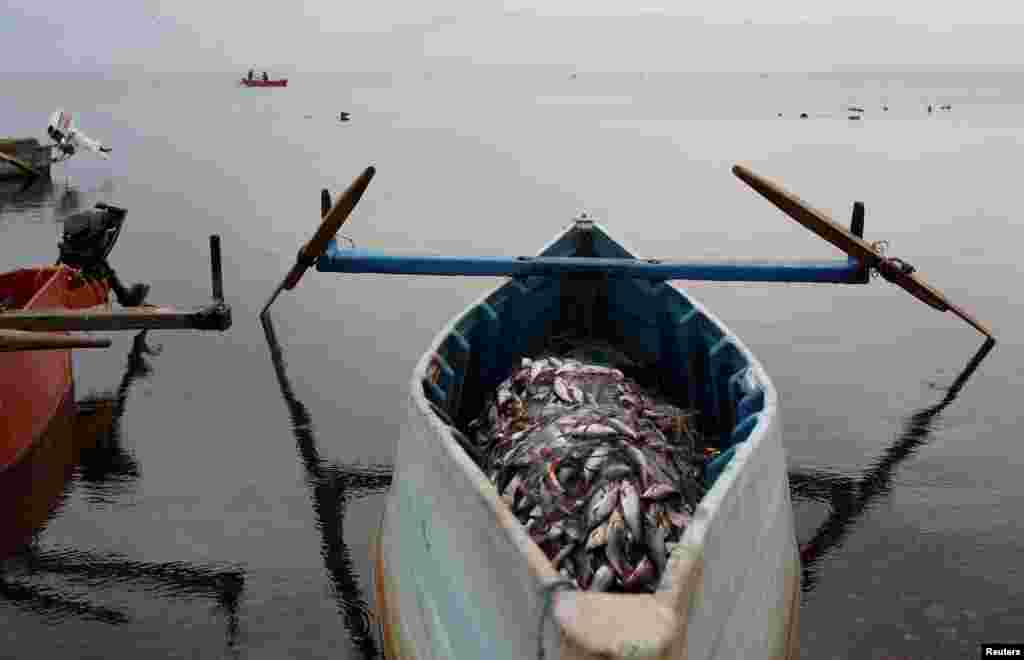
<point>34,383</point>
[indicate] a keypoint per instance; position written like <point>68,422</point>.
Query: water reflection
<point>106,469</point>
<point>332,486</point>
<point>850,497</point>
<point>30,193</point>
<point>83,447</point>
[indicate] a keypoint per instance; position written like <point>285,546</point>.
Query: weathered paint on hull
<point>458,577</point>
<point>33,383</point>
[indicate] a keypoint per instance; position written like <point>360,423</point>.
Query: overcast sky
<point>121,36</point>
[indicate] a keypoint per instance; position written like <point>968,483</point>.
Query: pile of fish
<point>604,475</point>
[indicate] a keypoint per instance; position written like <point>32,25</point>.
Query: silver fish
<point>617,545</point>
<point>527,503</point>
<point>542,393</point>
<point>655,539</point>
<point>563,554</point>
<point>504,395</point>
<point>659,490</point>
<point>616,470</point>
<point>594,430</point>
<point>602,503</point>
<point>573,529</point>
<point>622,427</point>
<point>598,537</point>
<point>563,392</point>
<point>594,462</point>
<point>554,532</point>
<point>642,575</point>
<point>593,370</point>
<point>581,560</point>
<point>638,457</point>
<point>603,580</point>
<point>511,490</point>
<point>629,500</point>
<point>565,473</point>
<point>680,519</point>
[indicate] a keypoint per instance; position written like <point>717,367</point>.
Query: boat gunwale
<point>676,586</point>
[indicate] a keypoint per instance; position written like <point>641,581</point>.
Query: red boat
<point>34,384</point>
<point>255,82</point>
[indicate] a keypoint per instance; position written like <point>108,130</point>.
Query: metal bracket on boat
<point>215,316</point>
<point>870,256</point>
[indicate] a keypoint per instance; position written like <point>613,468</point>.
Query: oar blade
<point>330,225</point>
<point>811,218</point>
<point>821,224</point>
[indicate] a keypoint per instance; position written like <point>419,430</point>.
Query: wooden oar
<point>894,270</point>
<point>145,317</point>
<point>329,226</point>
<point>21,165</point>
<point>19,340</point>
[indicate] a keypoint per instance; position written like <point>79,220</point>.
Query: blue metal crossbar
<point>346,260</point>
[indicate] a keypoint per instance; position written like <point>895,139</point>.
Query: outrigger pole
<point>215,316</point>
<point>20,340</point>
<point>323,250</point>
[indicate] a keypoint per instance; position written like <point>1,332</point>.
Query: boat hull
<point>34,383</point>
<point>457,576</point>
<point>283,82</point>
<point>31,489</point>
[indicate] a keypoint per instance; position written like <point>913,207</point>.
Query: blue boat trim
<point>348,260</point>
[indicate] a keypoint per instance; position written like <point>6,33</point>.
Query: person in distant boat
<point>265,78</point>
<point>250,74</point>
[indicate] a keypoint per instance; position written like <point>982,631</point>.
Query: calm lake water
<point>225,507</point>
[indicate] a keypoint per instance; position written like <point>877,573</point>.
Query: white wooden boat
<point>456,574</point>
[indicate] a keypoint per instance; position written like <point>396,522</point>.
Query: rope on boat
<point>547,588</point>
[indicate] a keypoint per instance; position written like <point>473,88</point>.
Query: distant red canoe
<point>283,82</point>
<point>33,383</point>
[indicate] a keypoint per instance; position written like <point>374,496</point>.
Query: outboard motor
<point>88,238</point>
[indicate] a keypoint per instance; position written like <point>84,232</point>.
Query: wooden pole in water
<point>216,275</point>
